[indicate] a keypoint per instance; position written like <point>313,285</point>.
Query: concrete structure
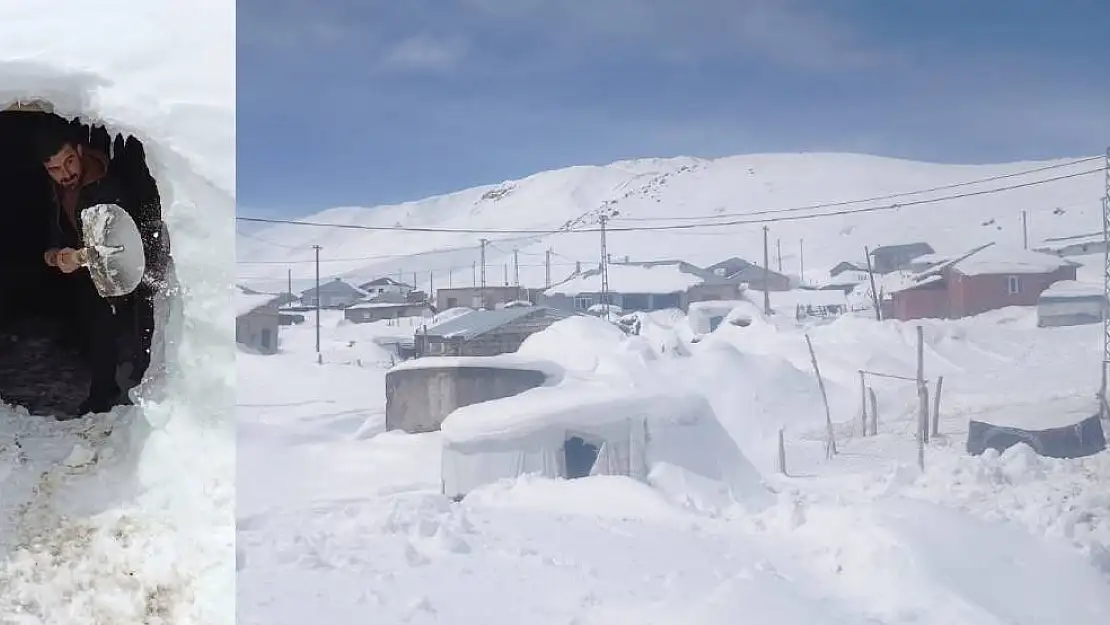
<point>754,276</point>
<point>333,294</point>
<point>477,297</point>
<point>485,332</point>
<point>642,287</point>
<point>256,321</point>
<point>890,258</point>
<point>1070,303</point>
<point>419,394</point>
<point>979,281</point>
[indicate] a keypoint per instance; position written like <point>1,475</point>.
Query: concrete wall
<point>250,330</point>
<point>418,400</point>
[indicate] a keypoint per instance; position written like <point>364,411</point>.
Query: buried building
<point>65,349</point>
<point>664,439</point>
<point>420,393</point>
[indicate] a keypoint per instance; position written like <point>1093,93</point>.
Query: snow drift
<point>111,518</point>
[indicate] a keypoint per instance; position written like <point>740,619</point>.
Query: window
<point>582,303</point>
<point>267,337</point>
<point>452,302</point>
<point>1013,285</point>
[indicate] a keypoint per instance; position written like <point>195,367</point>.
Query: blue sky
<point>365,102</point>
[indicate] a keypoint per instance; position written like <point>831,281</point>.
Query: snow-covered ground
<point>340,522</point>
<point>127,518</point>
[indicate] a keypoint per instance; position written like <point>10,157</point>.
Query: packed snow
<point>127,517</point>
<point>341,522</point>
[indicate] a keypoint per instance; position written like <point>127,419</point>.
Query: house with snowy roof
<point>333,294</point>
<point>984,279</point>
<point>642,286</point>
<point>485,332</point>
<point>756,277</point>
<point>890,258</point>
<point>385,286</point>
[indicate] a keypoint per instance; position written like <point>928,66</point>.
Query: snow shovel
<point>113,250</point>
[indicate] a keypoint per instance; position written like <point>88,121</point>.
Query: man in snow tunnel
<point>83,168</point>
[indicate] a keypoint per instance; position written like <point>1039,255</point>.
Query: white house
<point>333,294</point>
<point>257,321</point>
<point>386,286</point>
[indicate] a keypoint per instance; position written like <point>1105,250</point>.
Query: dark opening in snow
<point>581,456</point>
<point>42,343</point>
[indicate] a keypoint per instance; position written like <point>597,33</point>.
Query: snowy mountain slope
<point>653,192</point>
<point>110,518</point>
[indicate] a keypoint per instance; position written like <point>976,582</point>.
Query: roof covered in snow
<point>502,361</point>
<point>337,286</point>
<point>247,302</point>
<point>654,278</point>
<point>1068,289</point>
<point>477,322</point>
<point>1005,260</point>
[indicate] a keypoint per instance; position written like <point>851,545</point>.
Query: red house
<point>986,279</point>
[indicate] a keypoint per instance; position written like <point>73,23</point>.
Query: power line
<point>714,224</point>
<point>877,198</point>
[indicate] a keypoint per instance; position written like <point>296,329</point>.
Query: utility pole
<point>317,248</point>
<point>547,268</point>
<point>1025,229</point>
<point>766,274</point>
<point>604,268</point>
<point>516,267</point>
<point>1105,286</point>
<point>505,266</point>
<point>802,259</point>
<point>778,250</point>
<point>431,285</point>
<point>482,290</point>
<point>289,281</point>
<point>473,274</point>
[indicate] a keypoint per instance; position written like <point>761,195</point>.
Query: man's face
<point>65,166</point>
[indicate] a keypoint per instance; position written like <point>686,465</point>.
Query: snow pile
<point>576,343</point>
<point>1069,289</point>
<point>111,518</point>
<point>1063,499</point>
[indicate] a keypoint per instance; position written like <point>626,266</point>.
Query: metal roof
<point>478,322</point>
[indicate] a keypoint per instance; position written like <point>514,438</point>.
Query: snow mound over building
<point>672,440</point>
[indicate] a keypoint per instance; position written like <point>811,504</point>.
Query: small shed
<point>420,393</point>
<point>583,429</point>
<point>256,321</point>
<point>485,332</point>
<point>1071,303</point>
<point>890,258</point>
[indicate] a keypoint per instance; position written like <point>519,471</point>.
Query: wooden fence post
<point>830,437</point>
<point>863,402</point>
<point>874,412</point>
<point>936,406</point>
<point>923,400</point>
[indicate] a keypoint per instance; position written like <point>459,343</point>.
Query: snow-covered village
<point>884,412</point>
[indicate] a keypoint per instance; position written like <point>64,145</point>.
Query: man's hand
<point>65,259</point>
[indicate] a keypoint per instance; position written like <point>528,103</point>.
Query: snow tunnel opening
<point>47,357</point>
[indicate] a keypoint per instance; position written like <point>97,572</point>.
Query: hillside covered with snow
<point>853,190</point>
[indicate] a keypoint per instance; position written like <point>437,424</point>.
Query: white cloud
<point>424,53</point>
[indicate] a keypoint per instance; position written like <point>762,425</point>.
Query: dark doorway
<point>41,357</point>
<point>581,456</point>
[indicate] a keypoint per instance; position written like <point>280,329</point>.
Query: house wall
<point>712,292</point>
<point>370,315</point>
<point>258,330</point>
<point>469,297</point>
<point>418,400</point>
<point>503,340</point>
<point>628,302</point>
<point>974,295</point>
<point>920,303</point>
<point>1070,311</point>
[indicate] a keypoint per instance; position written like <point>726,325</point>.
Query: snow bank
<point>575,343</point>
<point>111,518</point>
<point>641,435</point>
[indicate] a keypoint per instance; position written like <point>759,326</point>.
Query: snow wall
<point>112,518</point>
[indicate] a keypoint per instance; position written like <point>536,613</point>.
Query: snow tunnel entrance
<point>581,456</point>
<point>45,355</point>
